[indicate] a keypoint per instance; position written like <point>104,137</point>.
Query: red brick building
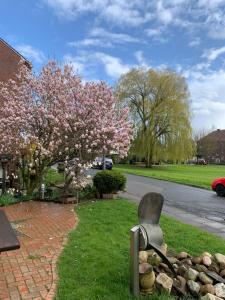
<point>9,61</point>
<point>212,147</point>
<point>9,65</point>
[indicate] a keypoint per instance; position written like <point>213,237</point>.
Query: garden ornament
<point>148,235</point>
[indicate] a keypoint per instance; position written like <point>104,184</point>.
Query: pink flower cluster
<point>62,116</point>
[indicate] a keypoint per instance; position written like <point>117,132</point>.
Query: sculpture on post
<point>146,236</point>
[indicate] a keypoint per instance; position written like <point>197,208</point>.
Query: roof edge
<point>15,51</point>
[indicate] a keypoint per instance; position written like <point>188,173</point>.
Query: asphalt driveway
<point>191,205</point>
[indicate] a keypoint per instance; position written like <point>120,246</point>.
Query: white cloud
<point>31,53</point>
<point>113,36</point>
<point>157,34</point>
<point>165,15</point>
<point>154,31</point>
<point>77,63</point>
<point>114,67</point>
<point>139,55</point>
<point>195,42</point>
<point>213,54</point>
<point>89,42</point>
<point>100,37</point>
<point>193,15</point>
<point>208,100</point>
<point>86,64</point>
<point>119,12</point>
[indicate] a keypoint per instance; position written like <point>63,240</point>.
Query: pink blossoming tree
<point>56,117</point>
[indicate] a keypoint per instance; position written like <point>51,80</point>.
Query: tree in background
<point>55,117</point>
<point>159,109</point>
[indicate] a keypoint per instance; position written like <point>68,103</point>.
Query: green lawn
<point>94,264</point>
<point>200,176</point>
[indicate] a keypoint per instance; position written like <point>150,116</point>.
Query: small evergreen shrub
<point>107,182</point>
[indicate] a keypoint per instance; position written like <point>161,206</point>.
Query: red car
<point>218,185</point>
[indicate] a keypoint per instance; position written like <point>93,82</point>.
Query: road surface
<point>191,205</point>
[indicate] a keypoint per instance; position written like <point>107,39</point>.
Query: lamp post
<point>103,161</point>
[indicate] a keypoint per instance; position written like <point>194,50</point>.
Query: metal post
<point>42,191</point>
<point>134,261</point>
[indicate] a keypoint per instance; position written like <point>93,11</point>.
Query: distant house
<point>212,147</point>
<point>9,61</point>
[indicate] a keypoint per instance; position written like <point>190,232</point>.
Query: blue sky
<point>105,38</point>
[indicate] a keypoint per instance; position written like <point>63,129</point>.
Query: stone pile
<point>202,277</point>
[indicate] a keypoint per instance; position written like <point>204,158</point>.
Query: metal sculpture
<point>148,235</point>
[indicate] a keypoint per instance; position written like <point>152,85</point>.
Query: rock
<point>182,255</point>
<point>197,260</point>
<point>150,252</point>
<point>187,261</point>
<point>210,297</point>
<point>204,278</point>
<point>206,254</point>
<point>214,267</point>
<point>175,266</point>
<point>164,249</point>
<point>164,283</point>
<point>194,287</point>
<point>164,266</point>
<point>220,258</point>
<point>173,260</point>
<point>220,290</point>
<point>147,281</point>
<point>154,260</point>
<point>206,260</point>
<point>222,273</point>
<point>222,266</point>
<point>191,274</point>
<point>180,285</point>
<point>182,270</point>
<point>207,288</point>
<point>144,268</point>
<point>201,268</point>
<point>143,257</point>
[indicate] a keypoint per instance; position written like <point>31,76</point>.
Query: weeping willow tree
<point>159,106</point>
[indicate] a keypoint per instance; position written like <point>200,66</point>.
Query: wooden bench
<point>8,239</point>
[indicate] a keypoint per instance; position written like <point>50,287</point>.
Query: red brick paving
<point>30,272</point>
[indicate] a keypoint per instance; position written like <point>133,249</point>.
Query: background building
<point>212,147</point>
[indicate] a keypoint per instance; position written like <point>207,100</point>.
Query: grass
<point>194,175</point>
<point>94,264</point>
<point>53,177</point>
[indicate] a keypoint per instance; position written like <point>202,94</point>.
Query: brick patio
<point>30,272</point>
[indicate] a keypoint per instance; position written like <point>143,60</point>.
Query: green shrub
<point>61,167</point>
<point>88,192</point>
<point>7,199</point>
<point>107,182</point>
<point>53,177</point>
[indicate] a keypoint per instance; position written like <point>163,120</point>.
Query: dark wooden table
<point>8,239</point>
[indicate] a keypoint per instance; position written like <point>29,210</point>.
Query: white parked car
<point>98,163</point>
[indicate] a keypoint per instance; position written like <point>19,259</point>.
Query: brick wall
<point>9,60</point>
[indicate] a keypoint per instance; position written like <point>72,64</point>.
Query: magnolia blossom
<point>57,117</point>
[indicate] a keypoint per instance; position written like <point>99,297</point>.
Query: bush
<point>7,199</point>
<point>61,167</point>
<point>107,182</point>
<point>88,192</point>
<point>53,177</point>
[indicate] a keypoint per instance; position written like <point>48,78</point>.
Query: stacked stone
<point>202,277</point>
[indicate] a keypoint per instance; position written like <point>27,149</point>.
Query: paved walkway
<point>30,272</point>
